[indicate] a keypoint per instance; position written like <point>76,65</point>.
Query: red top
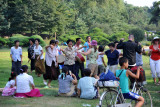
<point>155,54</point>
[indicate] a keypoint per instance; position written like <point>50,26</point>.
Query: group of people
<point>95,65</point>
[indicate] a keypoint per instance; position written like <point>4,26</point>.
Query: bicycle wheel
<point>147,97</point>
<point>109,98</point>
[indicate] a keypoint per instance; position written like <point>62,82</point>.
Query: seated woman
<point>86,86</point>
<point>10,87</point>
<point>23,82</point>
<point>67,82</point>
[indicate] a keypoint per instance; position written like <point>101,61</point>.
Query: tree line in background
<point>104,20</point>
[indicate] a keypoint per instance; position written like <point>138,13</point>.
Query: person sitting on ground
<point>10,87</point>
<point>123,75</point>
<point>23,82</point>
<point>100,60</point>
<point>86,86</point>
<point>67,83</point>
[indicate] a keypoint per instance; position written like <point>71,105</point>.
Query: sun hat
<point>155,38</point>
<point>94,43</point>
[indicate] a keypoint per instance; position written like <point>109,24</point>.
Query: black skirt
<point>32,64</point>
<point>52,72</point>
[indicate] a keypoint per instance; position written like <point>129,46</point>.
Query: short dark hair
<point>69,40</point>
<point>77,39</point>
<point>52,41</point>
<point>37,39</point>
<point>31,39</point>
<point>87,72</point>
<point>122,60</point>
<point>16,41</point>
<point>64,70</point>
<point>88,37</point>
<point>101,48</point>
<point>23,68</point>
<point>111,44</point>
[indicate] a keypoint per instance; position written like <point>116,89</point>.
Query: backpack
<point>142,76</point>
<point>107,76</point>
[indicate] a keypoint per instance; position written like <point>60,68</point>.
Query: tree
<point>138,34</point>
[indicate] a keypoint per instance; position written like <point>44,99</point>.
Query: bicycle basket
<point>111,84</point>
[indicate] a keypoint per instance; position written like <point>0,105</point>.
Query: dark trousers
<point>16,66</point>
<point>78,66</point>
<point>71,68</point>
<point>32,64</point>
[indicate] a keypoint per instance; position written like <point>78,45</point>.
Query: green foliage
<point>42,43</point>
<point>146,43</point>
<point>138,34</point>
<point>117,36</point>
<point>2,42</point>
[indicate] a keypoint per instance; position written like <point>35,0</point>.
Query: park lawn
<point>49,99</point>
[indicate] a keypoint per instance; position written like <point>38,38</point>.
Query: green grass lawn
<point>50,99</point>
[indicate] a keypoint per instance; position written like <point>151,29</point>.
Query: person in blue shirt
<point>16,57</point>
<point>113,56</point>
<point>86,86</point>
<point>123,75</point>
<point>87,45</point>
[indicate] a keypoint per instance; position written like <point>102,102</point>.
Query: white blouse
<point>38,51</point>
<point>23,83</point>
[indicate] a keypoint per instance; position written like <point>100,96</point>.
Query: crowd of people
<point>19,83</point>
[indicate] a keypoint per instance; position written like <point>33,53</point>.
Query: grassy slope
<point>49,98</point>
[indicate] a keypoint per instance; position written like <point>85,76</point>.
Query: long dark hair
<point>64,70</point>
<point>23,69</point>
<point>13,75</point>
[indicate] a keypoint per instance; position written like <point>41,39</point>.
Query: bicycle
<point>112,96</point>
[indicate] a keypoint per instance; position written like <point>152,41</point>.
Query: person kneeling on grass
<point>23,82</point>
<point>67,83</point>
<point>86,86</point>
<point>123,74</point>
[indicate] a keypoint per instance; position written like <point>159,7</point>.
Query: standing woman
<point>51,64</point>
<point>16,57</point>
<point>30,53</point>
<point>154,51</point>
<point>93,56</point>
<point>39,59</point>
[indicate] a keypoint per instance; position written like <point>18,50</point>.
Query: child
<point>67,83</point>
<point>123,74</point>
<point>100,60</point>
<point>10,87</point>
<point>86,86</point>
<point>23,82</point>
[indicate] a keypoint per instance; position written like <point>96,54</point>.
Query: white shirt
<point>16,53</point>
<point>38,51</point>
<point>10,83</point>
<point>23,83</point>
<point>80,50</point>
<point>99,60</point>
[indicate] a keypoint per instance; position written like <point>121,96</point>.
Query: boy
<point>86,86</point>
<point>123,74</point>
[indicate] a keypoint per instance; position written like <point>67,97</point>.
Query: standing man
<point>129,50</point>
<point>30,54</point>
<point>16,57</point>
<point>78,65</point>
<point>87,45</point>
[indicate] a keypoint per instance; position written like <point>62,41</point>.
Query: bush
<point>42,43</point>
<point>2,42</point>
<point>117,36</point>
<point>21,39</point>
<point>146,43</point>
<point>138,34</point>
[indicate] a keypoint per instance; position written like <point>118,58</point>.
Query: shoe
<point>44,81</point>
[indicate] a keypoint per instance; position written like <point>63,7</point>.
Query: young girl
<point>67,83</point>
<point>123,75</point>
<point>10,87</point>
<point>100,60</point>
<point>23,82</point>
